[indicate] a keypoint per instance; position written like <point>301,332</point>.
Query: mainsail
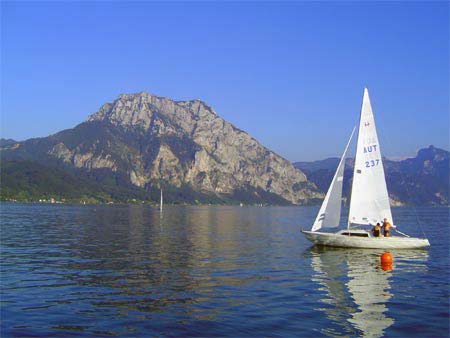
<point>369,201</point>
<point>330,211</point>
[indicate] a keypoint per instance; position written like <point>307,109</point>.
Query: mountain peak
<point>150,96</point>
<point>139,109</point>
<point>432,153</point>
<point>144,111</point>
<point>148,141</point>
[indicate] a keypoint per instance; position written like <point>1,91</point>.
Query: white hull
<point>345,241</point>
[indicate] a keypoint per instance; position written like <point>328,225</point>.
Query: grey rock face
<point>224,158</point>
<point>155,140</point>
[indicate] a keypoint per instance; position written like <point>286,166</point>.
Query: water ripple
<point>212,271</point>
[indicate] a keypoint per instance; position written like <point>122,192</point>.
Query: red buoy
<point>386,258</point>
<point>386,266</point>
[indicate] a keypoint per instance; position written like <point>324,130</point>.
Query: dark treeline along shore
<point>132,147</point>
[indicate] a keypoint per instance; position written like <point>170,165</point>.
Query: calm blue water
<point>212,271</point>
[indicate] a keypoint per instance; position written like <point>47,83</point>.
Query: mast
<point>354,162</point>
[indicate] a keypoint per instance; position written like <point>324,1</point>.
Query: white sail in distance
<point>330,211</point>
<point>369,202</point>
<point>161,202</point>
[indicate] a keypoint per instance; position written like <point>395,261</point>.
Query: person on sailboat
<point>376,231</point>
<point>386,227</point>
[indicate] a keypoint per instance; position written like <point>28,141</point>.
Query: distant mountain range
<point>6,142</point>
<point>140,142</point>
<point>422,180</point>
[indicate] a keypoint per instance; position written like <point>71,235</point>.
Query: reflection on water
<point>208,271</point>
<point>159,261</point>
<point>357,288</point>
<point>135,268</point>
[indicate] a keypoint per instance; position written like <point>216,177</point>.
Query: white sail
<point>330,211</point>
<point>161,202</point>
<point>369,202</point>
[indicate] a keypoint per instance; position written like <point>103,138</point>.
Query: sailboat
<point>161,202</point>
<point>369,203</point>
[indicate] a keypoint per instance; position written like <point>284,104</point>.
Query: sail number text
<point>372,163</point>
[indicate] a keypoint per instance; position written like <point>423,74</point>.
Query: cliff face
<point>156,141</point>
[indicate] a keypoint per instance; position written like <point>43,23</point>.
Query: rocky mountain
<point>145,141</point>
<point>421,180</point>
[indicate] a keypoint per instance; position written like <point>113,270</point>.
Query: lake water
<point>212,271</point>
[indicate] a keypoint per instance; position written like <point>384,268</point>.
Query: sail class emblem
<point>366,124</point>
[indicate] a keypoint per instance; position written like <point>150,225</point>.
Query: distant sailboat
<point>161,202</point>
<point>369,201</point>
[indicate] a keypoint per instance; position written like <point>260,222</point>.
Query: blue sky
<point>291,74</point>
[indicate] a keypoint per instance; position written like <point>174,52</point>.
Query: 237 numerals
<point>372,163</point>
